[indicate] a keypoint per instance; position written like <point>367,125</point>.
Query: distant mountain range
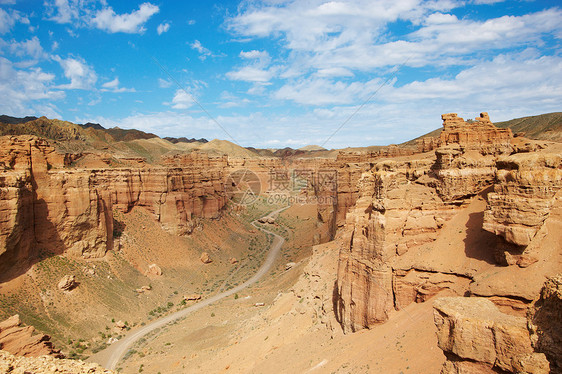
<point>93,137</point>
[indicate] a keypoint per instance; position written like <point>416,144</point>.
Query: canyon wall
<point>47,207</point>
<point>387,257</point>
<point>476,337</point>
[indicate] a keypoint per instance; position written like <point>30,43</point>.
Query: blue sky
<point>278,73</point>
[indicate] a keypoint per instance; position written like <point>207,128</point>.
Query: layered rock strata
<point>524,193</point>
<point>466,158</point>
<point>403,205</point>
<point>545,322</point>
<point>46,206</point>
<point>477,338</point>
<point>23,341</point>
<point>393,216</point>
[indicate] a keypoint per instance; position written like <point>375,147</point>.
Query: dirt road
<point>110,357</point>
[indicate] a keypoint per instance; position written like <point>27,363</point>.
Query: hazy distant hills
<point>15,120</point>
<point>93,137</point>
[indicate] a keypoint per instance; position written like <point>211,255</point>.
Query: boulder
<point>192,297</point>
<point>154,270</point>
<point>289,265</point>
<point>477,338</point>
<point>144,289</point>
<point>67,283</point>
<point>205,258</point>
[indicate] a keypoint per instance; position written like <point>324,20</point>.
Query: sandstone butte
<point>389,213</point>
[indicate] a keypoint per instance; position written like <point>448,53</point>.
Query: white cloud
<point>162,83</point>
<point>167,123</point>
<point>181,100</point>
<point>508,81</point>
<point>113,86</point>
<point>347,36</point>
<point>262,56</point>
<point>9,19</point>
<point>26,92</point>
<point>6,21</point>
<point>31,48</point>
<point>162,28</point>
<point>203,52</point>
<point>81,75</point>
<point>334,72</point>
<point>256,70</point>
<point>508,86</point>
<point>251,74</point>
<point>320,91</point>
<point>107,20</point>
<point>61,11</point>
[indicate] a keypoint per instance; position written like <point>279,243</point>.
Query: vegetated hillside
<point>46,128</point>
<point>55,129</point>
<point>542,127</point>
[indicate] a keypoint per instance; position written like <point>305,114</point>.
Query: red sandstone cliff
<point>388,257</point>
<point>47,207</point>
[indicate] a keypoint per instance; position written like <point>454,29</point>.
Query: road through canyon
<point>110,357</point>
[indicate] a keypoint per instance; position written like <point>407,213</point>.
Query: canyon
<point>473,213</point>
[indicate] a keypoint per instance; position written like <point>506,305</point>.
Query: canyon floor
<point>291,333</point>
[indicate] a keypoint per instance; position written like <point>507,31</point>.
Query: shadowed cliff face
<point>403,205</point>
<point>47,209</point>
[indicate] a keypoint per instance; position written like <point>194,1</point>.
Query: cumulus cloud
<point>332,38</point>
<point>96,13</point>
<point>31,48</point>
<point>321,91</point>
<point>181,100</point>
<point>61,11</point>
<point>107,20</point>
<point>162,28</point>
<point>81,75</point>
<point>27,91</point>
<point>251,74</point>
<point>256,70</point>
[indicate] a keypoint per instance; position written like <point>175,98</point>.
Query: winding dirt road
<point>110,357</point>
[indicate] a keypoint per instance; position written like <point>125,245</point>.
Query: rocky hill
<point>542,127</point>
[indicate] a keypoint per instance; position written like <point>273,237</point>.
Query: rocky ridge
<point>389,256</point>
<point>46,206</point>
<point>46,365</point>
<point>22,340</point>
